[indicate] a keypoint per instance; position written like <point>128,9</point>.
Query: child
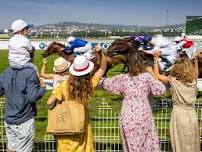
<point>60,68</point>
<point>184,130</point>
<point>20,48</point>
<point>79,47</point>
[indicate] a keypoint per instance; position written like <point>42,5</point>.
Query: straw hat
<point>60,65</point>
<point>81,66</point>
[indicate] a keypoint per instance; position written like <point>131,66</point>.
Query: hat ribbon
<point>83,69</point>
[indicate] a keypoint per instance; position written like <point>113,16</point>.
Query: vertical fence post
<point>3,143</point>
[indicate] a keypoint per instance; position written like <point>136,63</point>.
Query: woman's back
<point>136,121</point>
<point>183,93</point>
<point>141,85</point>
<point>183,121</point>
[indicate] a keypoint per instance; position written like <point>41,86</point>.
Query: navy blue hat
<point>147,38</point>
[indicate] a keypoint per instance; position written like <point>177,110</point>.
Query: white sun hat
<point>19,25</point>
<point>81,66</point>
<point>60,65</point>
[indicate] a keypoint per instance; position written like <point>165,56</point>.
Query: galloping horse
<point>122,46</point>
<point>57,48</point>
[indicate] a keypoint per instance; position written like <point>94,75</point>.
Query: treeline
<point>94,34</point>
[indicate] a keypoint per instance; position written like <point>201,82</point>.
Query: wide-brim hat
<point>81,66</point>
<point>60,65</point>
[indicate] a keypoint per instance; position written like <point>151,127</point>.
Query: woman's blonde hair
<point>80,88</point>
<point>183,70</point>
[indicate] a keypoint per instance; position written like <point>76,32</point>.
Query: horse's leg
<point>32,56</point>
<point>124,68</point>
<point>46,54</point>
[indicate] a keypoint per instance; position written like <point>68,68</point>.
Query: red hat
<point>187,44</point>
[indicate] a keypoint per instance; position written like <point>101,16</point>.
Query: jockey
<point>79,47</point>
<point>188,47</point>
<point>168,52</point>
<point>145,41</point>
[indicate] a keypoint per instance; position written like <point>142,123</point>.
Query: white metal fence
<point>106,128</point>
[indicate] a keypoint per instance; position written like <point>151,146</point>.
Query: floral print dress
<point>136,119</point>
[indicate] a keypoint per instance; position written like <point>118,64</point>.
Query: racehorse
<point>122,46</point>
<point>58,48</point>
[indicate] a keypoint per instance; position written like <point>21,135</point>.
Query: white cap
<point>70,39</point>
<point>18,25</point>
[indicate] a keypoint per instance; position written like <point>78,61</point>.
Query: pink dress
<point>136,119</point>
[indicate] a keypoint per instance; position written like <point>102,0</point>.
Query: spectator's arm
<point>156,87</point>
<point>33,89</point>
<point>160,77</point>
<point>57,95</point>
<point>115,84</point>
<point>51,101</point>
<point>103,66</point>
<point>43,69</point>
<point>30,48</point>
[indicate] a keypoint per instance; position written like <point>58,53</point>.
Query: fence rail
<point>106,128</point>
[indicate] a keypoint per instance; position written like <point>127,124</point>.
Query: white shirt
<point>58,79</point>
<point>19,47</point>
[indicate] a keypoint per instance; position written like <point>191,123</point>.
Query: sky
<point>126,12</point>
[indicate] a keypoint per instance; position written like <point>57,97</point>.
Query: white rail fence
<point>106,128</point>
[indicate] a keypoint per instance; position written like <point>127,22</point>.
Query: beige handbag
<point>66,118</point>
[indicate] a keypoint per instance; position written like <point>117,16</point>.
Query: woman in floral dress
<point>136,119</point>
